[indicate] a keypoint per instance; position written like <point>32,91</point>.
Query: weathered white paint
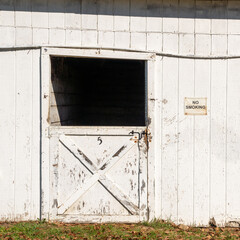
<point>20,135</point>
<point>98,172</point>
<point>81,170</point>
<point>195,163</point>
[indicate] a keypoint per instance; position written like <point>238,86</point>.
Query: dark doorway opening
<point>97,92</point>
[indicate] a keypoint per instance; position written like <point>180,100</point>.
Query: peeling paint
<point>55,203</point>
<point>143,186</point>
<point>85,157</point>
<point>164,101</point>
<point>119,151</point>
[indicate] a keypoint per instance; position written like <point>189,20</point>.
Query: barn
<point>120,111</point>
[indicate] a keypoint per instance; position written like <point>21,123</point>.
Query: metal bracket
<point>140,134</point>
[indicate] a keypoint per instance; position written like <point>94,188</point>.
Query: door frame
<point>150,59</point>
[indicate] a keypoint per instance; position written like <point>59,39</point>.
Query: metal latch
<point>140,134</point>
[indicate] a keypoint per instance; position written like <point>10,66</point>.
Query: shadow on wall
<point>205,9</point>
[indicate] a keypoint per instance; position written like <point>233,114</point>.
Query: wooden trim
<point>93,53</point>
<point>93,131</point>
<point>45,60</point>
<point>96,219</point>
<point>151,138</point>
<point>147,161</point>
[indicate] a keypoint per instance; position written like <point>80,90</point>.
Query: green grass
<point>147,230</point>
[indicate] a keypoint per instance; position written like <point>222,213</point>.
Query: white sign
<point>195,106</point>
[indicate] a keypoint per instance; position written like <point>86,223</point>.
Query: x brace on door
<point>98,175</point>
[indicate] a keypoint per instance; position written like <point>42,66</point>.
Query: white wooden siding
<point>76,22</point>
<point>197,162</point>
<point>20,135</point>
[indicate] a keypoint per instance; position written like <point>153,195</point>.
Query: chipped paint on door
<point>97,174</point>
<point>93,181</point>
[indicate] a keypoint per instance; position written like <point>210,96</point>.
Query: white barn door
<point>92,174</point>
<point>98,177</point>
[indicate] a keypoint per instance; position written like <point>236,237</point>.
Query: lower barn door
<point>98,178</point>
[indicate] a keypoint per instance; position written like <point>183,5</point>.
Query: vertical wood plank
<point>170,43</point>
<point>144,212</point>
<point>186,14</point>
<point>151,74</point>
<point>202,135</point>
<point>105,23</point>
<point>170,19</point>
<point>7,36</point>
<point>218,130</point>
<point>219,17</point>
<point>7,136</point>
<point>35,194</point>
<point>45,99</point>
<point>169,138</point>
<point>219,45</point>
<point>218,140</point>
<point>23,12</point>
<point>203,44</point>
<point>89,14</point>
<point>23,135</point>
<point>154,16</point>
<point>54,176</point>
<point>202,148</point>
<point>105,39</point>
<point>138,41</point>
<point>233,40</point>
<point>57,37</point>
<point>7,15</point>
<point>40,13</point>
<point>23,36</point>
<point>105,15</point>
<point>73,14</point>
<point>89,38</point>
<point>121,15</point>
<point>122,40</point>
<point>157,135</point>
<point>154,42</point>
<point>138,13</point>
<point>73,37</point>
<point>203,16</point>
<point>40,36</point>
<point>233,133</point>
<point>56,14</point>
<point>186,44</point>
<point>185,137</point>
<point>233,13</point>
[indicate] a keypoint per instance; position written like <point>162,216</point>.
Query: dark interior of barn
<point>97,92</point>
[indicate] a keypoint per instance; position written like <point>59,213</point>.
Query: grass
<point>152,230</point>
